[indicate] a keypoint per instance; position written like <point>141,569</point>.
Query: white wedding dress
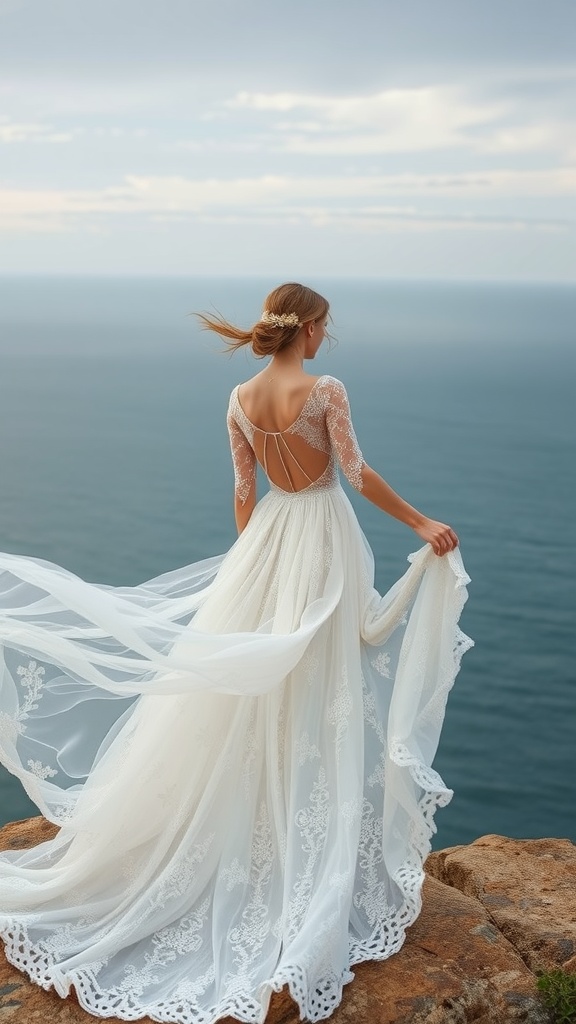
<point>238,753</point>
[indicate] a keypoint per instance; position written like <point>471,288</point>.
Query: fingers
<point>441,537</point>
<point>445,542</point>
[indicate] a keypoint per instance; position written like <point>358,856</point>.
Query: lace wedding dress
<point>238,753</point>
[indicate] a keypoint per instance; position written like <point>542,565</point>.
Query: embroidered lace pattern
<point>324,422</point>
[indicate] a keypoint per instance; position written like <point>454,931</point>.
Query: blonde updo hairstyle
<point>266,339</point>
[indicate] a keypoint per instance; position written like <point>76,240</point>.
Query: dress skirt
<point>239,756</point>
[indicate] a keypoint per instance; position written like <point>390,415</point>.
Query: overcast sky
<point>405,139</point>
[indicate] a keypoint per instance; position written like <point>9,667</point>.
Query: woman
<point>239,752</point>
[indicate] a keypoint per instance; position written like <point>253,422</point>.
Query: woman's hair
<point>267,338</point>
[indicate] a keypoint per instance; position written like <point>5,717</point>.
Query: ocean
<point>114,462</point>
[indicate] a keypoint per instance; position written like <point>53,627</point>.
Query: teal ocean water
<point>114,462</point>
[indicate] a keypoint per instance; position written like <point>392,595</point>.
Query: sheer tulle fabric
<point>239,756</point>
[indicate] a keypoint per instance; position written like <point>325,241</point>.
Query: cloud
<point>140,193</point>
<point>371,220</point>
<point>393,120</point>
<point>11,132</point>
<point>255,42</point>
<point>403,120</point>
<point>26,224</point>
<point>222,145</point>
<point>345,202</point>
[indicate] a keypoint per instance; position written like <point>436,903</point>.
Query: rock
<point>528,887</point>
<point>21,835</point>
<point>454,967</point>
<point>469,957</point>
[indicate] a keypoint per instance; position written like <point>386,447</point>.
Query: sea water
<point>114,462</point>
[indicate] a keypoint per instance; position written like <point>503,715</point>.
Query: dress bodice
<point>292,458</point>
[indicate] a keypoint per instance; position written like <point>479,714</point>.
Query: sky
<point>398,140</point>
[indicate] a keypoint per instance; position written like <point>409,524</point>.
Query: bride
<point>237,753</point>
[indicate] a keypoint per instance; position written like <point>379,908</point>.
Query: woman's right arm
<point>441,537</point>
<point>370,484</point>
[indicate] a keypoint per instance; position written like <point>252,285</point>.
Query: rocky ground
<point>495,912</point>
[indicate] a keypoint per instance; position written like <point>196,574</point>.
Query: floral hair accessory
<point>281,319</point>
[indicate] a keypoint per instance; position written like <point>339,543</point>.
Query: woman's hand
<point>439,535</point>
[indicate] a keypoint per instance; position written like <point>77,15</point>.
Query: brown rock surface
<point>21,835</point>
<point>454,967</point>
<point>528,887</point>
<point>457,965</point>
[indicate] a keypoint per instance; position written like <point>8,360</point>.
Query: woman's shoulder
<point>331,385</point>
<point>324,383</point>
<point>247,385</point>
<point>253,384</point>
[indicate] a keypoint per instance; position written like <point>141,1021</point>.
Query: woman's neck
<point>288,359</point>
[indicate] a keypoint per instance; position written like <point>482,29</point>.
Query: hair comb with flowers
<point>281,319</point>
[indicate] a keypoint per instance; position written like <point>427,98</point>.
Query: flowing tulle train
<point>239,756</point>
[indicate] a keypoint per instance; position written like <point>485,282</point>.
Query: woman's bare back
<point>274,401</point>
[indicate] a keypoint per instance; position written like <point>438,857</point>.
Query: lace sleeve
<point>341,431</point>
<point>243,457</point>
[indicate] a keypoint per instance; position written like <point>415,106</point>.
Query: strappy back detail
<point>278,437</point>
<point>322,425</point>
